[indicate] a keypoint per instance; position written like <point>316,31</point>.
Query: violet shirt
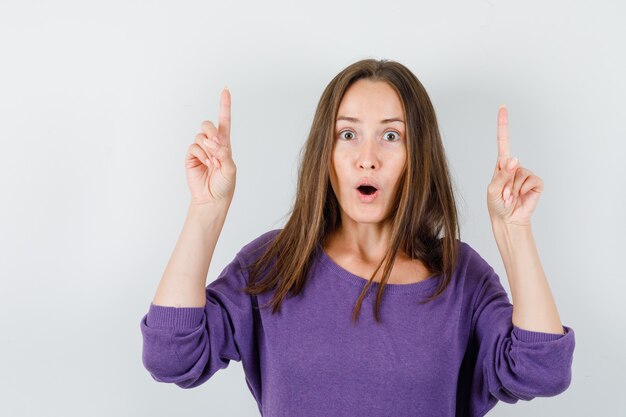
<point>455,356</point>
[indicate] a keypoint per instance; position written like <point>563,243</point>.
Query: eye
<point>345,131</point>
<point>394,133</point>
<point>394,138</point>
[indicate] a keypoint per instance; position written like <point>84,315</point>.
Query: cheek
<point>335,173</point>
<point>402,158</point>
<point>339,163</point>
<point>398,165</point>
<point>394,159</point>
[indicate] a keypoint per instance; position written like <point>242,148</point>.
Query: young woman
<point>374,200</point>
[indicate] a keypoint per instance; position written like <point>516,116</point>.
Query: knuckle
<point>222,152</point>
<point>208,128</point>
<point>196,150</point>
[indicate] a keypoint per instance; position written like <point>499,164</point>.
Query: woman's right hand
<point>211,171</point>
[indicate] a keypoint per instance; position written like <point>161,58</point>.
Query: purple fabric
<point>455,356</point>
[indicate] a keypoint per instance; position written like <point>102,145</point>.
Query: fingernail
<point>506,193</point>
<point>225,87</point>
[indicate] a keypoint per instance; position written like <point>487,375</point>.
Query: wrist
<point>208,213</point>
<point>503,226</point>
<point>210,205</point>
<point>510,235</point>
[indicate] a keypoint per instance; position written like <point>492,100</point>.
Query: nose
<point>366,164</point>
<point>367,155</point>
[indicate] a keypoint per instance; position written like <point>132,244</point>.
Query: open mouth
<point>367,189</point>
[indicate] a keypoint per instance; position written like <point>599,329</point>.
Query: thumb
<point>507,171</point>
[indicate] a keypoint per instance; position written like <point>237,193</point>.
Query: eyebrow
<point>355,120</point>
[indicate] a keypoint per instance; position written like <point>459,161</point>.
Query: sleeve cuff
<point>176,317</point>
<point>531,336</point>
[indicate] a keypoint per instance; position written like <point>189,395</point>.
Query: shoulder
<point>473,268</point>
<point>255,247</point>
<point>472,259</point>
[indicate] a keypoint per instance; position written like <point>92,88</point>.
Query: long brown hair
<point>424,216</point>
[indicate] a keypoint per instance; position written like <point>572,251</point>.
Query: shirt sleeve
<point>513,363</point>
<point>187,345</point>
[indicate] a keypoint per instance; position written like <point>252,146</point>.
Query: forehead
<point>366,99</point>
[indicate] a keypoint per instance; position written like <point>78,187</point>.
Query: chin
<point>365,217</point>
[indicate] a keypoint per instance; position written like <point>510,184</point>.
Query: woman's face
<point>368,148</point>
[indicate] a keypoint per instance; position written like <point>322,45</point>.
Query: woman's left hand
<point>514,191</point>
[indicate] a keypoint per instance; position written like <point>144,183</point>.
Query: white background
<point>100,100</point>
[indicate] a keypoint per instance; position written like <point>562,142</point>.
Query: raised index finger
<point>223,129</point>
<point>503,135</point>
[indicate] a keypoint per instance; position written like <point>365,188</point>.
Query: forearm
<point>533,305</point>
<point>183,283</point>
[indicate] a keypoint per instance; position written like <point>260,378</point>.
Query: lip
<point>366,198</point>
<point>367,181</point>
